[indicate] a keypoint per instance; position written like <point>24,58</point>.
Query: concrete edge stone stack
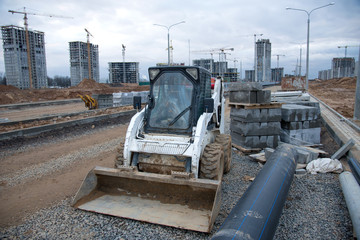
<point>255,122</point>
<point>301,122</point>
<point>119,99</point>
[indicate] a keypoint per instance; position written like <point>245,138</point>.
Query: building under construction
<point>218,69</point>
<point>343,67</point>
<point>79,62</point>
<point>123,72</point>
<point>263,60</point>
<point>17,61</point>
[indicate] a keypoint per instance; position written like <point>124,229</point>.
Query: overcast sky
<point>209,25</point>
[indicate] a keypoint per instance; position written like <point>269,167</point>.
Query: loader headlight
<point>153,73</point>
<point>193,72</point>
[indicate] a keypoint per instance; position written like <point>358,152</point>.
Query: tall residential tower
<point>263,55</point>
<point>79,66</point>
<point>16,58</point>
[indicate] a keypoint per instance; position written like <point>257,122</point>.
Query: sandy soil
<point>32,193</point>
<point>42,111</point>
<point>337,93</point>
<point>11,94</point>
<point>39,112</point>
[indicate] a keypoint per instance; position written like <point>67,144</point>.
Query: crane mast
<point>88,34</point>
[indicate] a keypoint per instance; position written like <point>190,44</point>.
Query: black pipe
<point>355,168</point>
<point>256,215</point>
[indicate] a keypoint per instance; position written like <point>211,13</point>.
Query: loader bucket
<point>155,198</point>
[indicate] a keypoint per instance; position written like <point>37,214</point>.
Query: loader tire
<point>212,162</point>
<point>119,158</point>
<point>225,141</point>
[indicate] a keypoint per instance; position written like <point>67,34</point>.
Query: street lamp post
<point>308,37</point>
<point>168,36</point>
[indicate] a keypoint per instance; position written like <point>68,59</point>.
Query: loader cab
<point>176,99</point>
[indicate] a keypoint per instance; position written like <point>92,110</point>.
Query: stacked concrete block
<point>300,123</point>
<point>104,100</point>
<point>119,99</point>
<point>126,98</point>
<point>255,123</point>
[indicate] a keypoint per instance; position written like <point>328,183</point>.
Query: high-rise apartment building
<point>205,63</point>
<point>277,74</point>
<point>16,59</point>
<point>79,64</point>
<point>343,67</point>
<point>123,72</point>
<point>263,60</point>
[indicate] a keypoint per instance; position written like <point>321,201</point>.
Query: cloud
<point>209,24</point>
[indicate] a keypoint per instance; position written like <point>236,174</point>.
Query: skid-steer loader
<point>174,155</point>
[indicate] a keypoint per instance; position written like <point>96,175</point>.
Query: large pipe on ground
<point>355,168</point>
<point>256,215</point>
<point>351,191</point>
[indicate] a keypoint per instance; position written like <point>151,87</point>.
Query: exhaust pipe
<point>257,213</point>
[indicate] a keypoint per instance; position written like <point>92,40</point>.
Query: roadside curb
<point>33,131</point>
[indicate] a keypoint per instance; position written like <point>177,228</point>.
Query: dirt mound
<point>8,88</point>
<point>338,93</point>
<point>91,84</point>
<point>10,94</point>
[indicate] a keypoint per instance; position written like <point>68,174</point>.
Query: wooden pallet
<point>246,150</point>
<point>254,105</point>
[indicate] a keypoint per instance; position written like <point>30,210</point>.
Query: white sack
<point>324,165</point>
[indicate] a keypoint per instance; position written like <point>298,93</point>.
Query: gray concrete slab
<point>243,96</point>
<point>310,136</point>
<point>344,149</point>
<point>255,141</point>
<point>297,113</point>
<point>256,115</point>
<point>301,125</point>
<point>245,86</point>
<point>263,96</point>
<point>255,128</point>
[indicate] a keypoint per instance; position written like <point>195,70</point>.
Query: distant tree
<point>2,79</point>
<point>62,81</point>
<point>59,81</point>
<point>51,82</point>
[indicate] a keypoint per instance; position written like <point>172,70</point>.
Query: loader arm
<point>131,133</point>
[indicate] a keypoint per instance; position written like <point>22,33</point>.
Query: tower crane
<point>221,51</point>
<point>277,58</point>
<point>346,48</point>
<point>25,13</point>
<point>88,34</point>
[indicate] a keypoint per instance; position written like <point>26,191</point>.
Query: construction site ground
<point>40,173</point>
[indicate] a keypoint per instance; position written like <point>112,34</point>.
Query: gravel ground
<point>40,170</point>
<point>315,209</point>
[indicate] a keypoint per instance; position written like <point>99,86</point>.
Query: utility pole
<point>308,38</point>
<point>168,36</point>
